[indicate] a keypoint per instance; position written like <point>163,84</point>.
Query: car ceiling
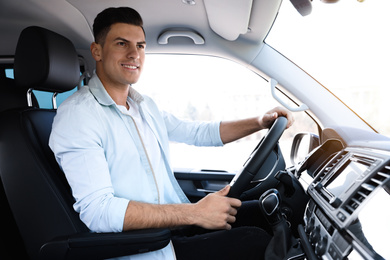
<point>233,29</point>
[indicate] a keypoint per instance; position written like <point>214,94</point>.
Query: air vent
<point>330,166</point>
<point>366,188</point>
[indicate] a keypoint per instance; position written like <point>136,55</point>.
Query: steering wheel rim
<point>257,158</point>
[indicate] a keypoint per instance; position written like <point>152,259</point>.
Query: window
<point>208,88</point>
<point>44,98</point>
<point>345,46</point>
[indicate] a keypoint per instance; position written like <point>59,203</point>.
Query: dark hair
<point>112,15</point>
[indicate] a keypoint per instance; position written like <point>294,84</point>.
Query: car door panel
<point>198,183</point>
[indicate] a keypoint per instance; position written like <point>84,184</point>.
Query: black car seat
<point>11,243</point>
<point>12,97</point>
<point>35,186</point>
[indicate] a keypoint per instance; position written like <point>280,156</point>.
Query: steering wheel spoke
<point>241,181</point>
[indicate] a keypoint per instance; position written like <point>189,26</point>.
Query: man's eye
<point>121,43</point>
<point>141,46</point>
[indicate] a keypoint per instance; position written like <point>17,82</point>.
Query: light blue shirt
<point>104,159</point>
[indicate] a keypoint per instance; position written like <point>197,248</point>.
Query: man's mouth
<point>132,67</point>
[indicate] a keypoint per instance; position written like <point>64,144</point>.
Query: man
<point>112,144</point>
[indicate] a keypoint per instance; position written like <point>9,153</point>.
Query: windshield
<point>345,46</point>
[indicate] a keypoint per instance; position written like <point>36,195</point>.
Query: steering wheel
<point>257,158</point>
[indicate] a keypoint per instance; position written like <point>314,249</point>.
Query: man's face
<point>120,60</point>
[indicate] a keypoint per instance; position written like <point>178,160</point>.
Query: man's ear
<point>96,51</point>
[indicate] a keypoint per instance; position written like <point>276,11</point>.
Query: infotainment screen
<point>345,177</point>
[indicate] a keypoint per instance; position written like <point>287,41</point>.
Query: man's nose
<point>133,53</point>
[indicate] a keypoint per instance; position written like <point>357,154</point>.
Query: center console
<point>348,213</point>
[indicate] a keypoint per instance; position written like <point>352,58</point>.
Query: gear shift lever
<point>283,245</point>
<point>269,203</point>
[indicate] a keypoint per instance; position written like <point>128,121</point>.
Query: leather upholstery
<point>36,189</point>
<point>46,61</point>
<point>12,97</point>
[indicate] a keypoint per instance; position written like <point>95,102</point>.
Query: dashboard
<point>348,214</point>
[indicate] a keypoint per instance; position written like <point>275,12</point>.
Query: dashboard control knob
<point>318,186</point>
<point>335,202</point>
<point>320,248</point>
<point>309,226</point>
<point>315,235</point>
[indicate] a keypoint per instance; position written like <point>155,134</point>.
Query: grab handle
<point>302,107</point>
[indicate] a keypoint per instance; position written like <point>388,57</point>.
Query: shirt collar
<point>135,95</point>
<point>97,89</point>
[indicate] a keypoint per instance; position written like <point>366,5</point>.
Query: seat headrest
<point>45,60</point>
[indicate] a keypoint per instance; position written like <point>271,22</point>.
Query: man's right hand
<point>216,210</point>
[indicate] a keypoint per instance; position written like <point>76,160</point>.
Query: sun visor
<point>229,18</point>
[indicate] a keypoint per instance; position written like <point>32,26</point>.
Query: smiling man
<point>113,146</point>
<point>119,59</point>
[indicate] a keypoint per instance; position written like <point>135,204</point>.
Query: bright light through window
<point>346,47</point>
<point>207,88</point>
